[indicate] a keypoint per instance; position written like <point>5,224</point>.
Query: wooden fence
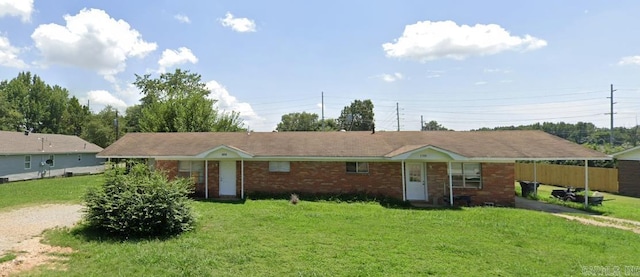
<point>600,179</point>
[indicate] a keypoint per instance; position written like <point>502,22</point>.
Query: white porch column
<point>535,178</point>
<point>450,185</point>
<point>242,179</point>
<point>206,179</point>
<point>404,190</point>
<point>586,184</point>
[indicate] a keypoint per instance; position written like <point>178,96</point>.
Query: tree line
<point>172,102</point>
<point>180,102</point>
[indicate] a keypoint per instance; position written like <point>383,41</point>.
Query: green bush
<point>142,203</point>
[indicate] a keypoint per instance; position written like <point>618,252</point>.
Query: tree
<point>433,126</point>
<point>74,117</point>
<point>100,128</point>
<point>299,122</point>
<point>177,102</point>
<point>357,117</point>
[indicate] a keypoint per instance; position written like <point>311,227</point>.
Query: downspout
<point>450,185</point>
<point>241,178</point>
<point>404,192</point>
<point>586,184</point>
<point>206,179</point>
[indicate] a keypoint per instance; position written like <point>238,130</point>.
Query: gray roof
<point>17,143</point>
<point>507,145</point>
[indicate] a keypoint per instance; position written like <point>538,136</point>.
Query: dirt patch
<point>604,221</point>
<point>21,231</point>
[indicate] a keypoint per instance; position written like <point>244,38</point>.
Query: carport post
<point>535,179</point>
<point>450,186</point>
<point>586,184</point>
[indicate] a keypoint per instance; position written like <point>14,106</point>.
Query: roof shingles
<point>517,145</point>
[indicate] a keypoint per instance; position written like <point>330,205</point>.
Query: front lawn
<point>613,205</point>
<point>276,238</point>
<point>46,191</point>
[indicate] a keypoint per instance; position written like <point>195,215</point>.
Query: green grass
<point>54,190</point>
<point>275,238</point>
<point>613,205</point>
<point>7,257</point>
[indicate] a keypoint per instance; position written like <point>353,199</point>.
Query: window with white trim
<point>27,162</point>
<point>192,169</point>
<point>357,167</point>
<point>466,175</point>
<point>279,166</point>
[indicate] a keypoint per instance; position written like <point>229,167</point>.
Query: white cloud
<point>102,98</point>
<point>182,18</point>
<point>21,8</point>
<point>9,54</point>
<point>496,70</point>
<point>630,60</point>
<point>390,78</point>
<point>172,58</point>
<point>227,102</point>
<point>93,40</point>
<point>241,25</point>
<point>480,83</point>
<point>427,40</point>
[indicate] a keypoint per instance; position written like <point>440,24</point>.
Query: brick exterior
<point>384,178</point>
<point>629,178</point>
<point>497,184</point>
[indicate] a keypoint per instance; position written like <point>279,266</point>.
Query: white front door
<point>416,181</point>
<point>227,179</point>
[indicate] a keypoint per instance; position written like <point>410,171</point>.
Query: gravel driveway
<point>26,223</point>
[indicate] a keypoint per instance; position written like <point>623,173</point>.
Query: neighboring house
<point>628,171</point>
<point>32,155</point>
<point>416,166</point>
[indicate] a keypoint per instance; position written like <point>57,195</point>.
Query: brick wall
<point>324,178</point>
<point>629,178</point>
<point>384,178</point>
<point>497,184</point>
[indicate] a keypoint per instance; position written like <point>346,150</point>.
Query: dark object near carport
<point>528,187</point>
<point>4,180</point>
<point>68,174</point>
<point>573,195</point>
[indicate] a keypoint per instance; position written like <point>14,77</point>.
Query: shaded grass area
<point>275,238</point>
<point>613,205</point>
<point>7,257</point>
<point>49,191</point>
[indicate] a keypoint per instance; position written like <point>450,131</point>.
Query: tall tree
<point>299,122</point>
<point>100,128</point>
<point>357,117</point>
<point>433,126</point>
<point>178,102</point>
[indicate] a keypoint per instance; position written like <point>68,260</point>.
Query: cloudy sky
<point>465,64</point>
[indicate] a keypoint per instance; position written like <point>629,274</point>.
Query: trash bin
<point>528,187</point>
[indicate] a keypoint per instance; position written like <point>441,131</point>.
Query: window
<point>357,167</point>
<point>27,162</point>
<point>466,175</point>
<point>279,167</point>
<point>191,169</point>
<point>51,161</point>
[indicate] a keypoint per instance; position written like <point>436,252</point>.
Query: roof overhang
<point>629,154</point>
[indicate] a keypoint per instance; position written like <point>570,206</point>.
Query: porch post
<point>586,184</point>
<point>535,178</point>
<point>404,191</point>
<point>206,179</point>
<point>242,179</point>
<point>450,185</point>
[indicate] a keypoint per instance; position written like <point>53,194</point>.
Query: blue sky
<point>465,64</point>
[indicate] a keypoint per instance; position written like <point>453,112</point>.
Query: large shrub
<point>142,203</point>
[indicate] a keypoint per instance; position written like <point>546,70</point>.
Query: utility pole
<point>421,123</point>
<point>322,95</point>
<point>398,115</point>
<point>115,123</point>
<point>611,114</point>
